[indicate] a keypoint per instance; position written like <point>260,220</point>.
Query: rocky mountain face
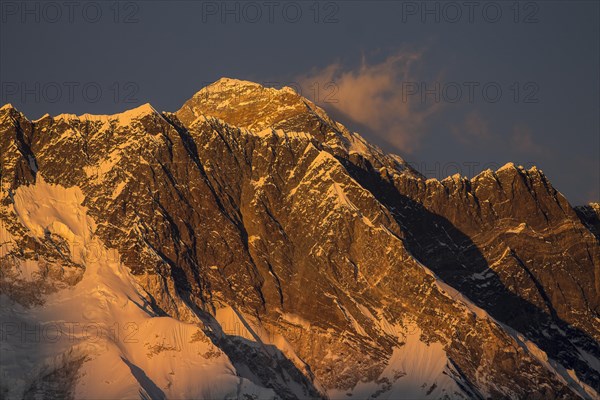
<point>249,246</point>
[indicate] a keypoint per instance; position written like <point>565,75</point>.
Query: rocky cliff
<point>252,242</point>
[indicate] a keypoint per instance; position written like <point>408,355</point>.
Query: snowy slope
<point>99,339</point>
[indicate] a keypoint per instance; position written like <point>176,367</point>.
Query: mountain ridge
<point>209,217</point>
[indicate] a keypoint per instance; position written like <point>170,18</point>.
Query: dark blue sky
<point>381,57</point>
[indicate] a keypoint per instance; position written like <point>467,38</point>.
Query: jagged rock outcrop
<point>343,270</point>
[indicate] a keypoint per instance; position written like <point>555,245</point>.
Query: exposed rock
<point>329,253</point>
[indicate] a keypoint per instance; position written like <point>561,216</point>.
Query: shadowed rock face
<point>590,216</point>
<point>255,199</point>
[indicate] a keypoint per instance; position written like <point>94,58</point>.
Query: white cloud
<point>376,96</point>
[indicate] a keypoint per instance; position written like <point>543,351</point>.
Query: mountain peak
<point>229,82</point>
<point>8,112</point>
<point>229,93</point>
<point>226,84</point>
<point>247,105</point>
<point>257,108</point>
<point>7,106</point>
<point>9,109</point>
<point>507,166</point>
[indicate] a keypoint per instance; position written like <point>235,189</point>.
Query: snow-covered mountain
<point>249,246</point>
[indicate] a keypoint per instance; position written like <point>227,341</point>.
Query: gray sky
<point>449,86</point>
